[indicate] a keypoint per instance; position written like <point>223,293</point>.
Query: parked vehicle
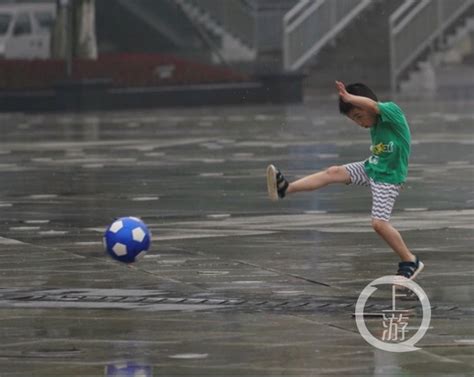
<point>25,30</point>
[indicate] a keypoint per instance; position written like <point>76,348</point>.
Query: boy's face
<point>363,118</point>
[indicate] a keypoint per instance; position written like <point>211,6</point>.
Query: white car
<point>25,30</point>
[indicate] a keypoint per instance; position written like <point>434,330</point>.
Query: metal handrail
<point>401,11</point>
<point>296,11</point>
<point>311,24</point>
<point>421,28</point>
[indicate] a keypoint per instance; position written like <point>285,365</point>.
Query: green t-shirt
<point>390,146</point>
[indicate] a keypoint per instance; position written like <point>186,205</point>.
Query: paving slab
<point>233,285</point>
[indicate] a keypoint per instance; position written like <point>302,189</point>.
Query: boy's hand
<point>362,102</point>
<point>341,89</point>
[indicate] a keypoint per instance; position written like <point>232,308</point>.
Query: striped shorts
<point>383,194</point>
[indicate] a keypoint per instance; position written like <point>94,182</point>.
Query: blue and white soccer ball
<point>127,239</point>
<point>128,369</point>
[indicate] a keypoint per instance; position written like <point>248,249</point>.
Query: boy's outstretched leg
<point>279,187</point>
<point>334,174</point>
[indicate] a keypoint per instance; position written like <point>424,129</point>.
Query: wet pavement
<point>234,285</point>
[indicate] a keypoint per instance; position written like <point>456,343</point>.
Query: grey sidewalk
<point>234,285</point>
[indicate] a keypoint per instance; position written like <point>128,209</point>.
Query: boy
<point>384,172</point>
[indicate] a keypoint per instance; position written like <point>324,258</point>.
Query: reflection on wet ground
<point>233,284</point>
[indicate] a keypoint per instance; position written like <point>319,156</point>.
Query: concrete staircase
<point>421,77</point>
<point>230,47</point>
<point>147,26</point>
<point>361,53</point>
<point>249,31</point>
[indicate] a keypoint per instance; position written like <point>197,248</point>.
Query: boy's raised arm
<point>358,101</point>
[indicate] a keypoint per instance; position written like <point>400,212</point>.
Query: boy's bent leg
<point>410,266</point>
<point>383,200</point>
<point>393,239</point>
<point>334,174</point>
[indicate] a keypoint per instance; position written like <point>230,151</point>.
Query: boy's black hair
<point>357,89</point>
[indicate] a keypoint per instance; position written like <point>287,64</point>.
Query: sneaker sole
<point>418,270</point>
<point>271,183</point>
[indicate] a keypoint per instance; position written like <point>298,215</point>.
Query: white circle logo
<point>393,322</point>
